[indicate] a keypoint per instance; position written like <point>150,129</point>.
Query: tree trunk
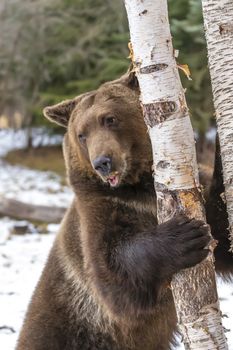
<point>219,36</point>
<point>175,168</point>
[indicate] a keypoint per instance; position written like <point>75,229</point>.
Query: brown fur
<point>106,282</point>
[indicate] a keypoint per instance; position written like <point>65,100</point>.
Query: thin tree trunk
<point>175,168</point>
<point>219,36</point>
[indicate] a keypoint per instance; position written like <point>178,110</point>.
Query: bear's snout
<point>102,165</point>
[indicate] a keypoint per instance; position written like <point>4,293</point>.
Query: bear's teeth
<point>113,180</point>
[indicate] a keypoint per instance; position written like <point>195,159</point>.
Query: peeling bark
<point>219,36</point>
<point>175,167</point>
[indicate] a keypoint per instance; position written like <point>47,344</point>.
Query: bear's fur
<point>106,282</point>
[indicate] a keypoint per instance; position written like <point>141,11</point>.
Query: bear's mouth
<point>113,179</point>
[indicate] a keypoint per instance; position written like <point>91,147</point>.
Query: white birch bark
<point>218,15</point>
<point>175,166</point>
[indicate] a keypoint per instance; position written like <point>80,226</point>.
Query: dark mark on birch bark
<point>163,164</point>
<point>225,28</point>
<point>153,68</point>
<point>160,187</point>
<point>158,112</point>
<point>11,329</point>
<point>143,12</point>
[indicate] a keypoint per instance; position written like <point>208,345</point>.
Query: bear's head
<point>106,136</point>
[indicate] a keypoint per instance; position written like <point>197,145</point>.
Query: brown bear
<point>106,282</point>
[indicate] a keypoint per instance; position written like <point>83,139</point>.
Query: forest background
<point>56,49</point>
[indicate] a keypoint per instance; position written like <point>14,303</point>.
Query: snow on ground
<point>17,139</point>
<point>21,261</point>
<point>33,186</point>
<point>26,185</point>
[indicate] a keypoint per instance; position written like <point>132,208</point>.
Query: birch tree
<point>219,36</point>
<point>175,167</point>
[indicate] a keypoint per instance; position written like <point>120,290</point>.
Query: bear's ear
<point>61,112</point>
<point>129,79</point>
<point>132,80</point>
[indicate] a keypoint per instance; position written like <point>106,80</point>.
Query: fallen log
<point>20,210</point>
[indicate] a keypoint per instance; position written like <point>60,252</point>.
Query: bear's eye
<point>109,121</point>
<point>82,138</point>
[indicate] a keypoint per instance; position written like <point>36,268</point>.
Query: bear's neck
<point>138,195</point>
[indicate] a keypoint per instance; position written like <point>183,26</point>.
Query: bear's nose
<point>103,165</point>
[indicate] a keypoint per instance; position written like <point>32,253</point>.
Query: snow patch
<point>11,139</point>
<point>22,259</point>
<point>33,186</point>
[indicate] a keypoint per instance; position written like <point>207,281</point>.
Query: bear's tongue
<point>113,180</point>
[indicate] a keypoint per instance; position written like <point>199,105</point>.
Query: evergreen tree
<point>52,50</point>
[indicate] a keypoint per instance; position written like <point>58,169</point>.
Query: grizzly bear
<point>106,282</point>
